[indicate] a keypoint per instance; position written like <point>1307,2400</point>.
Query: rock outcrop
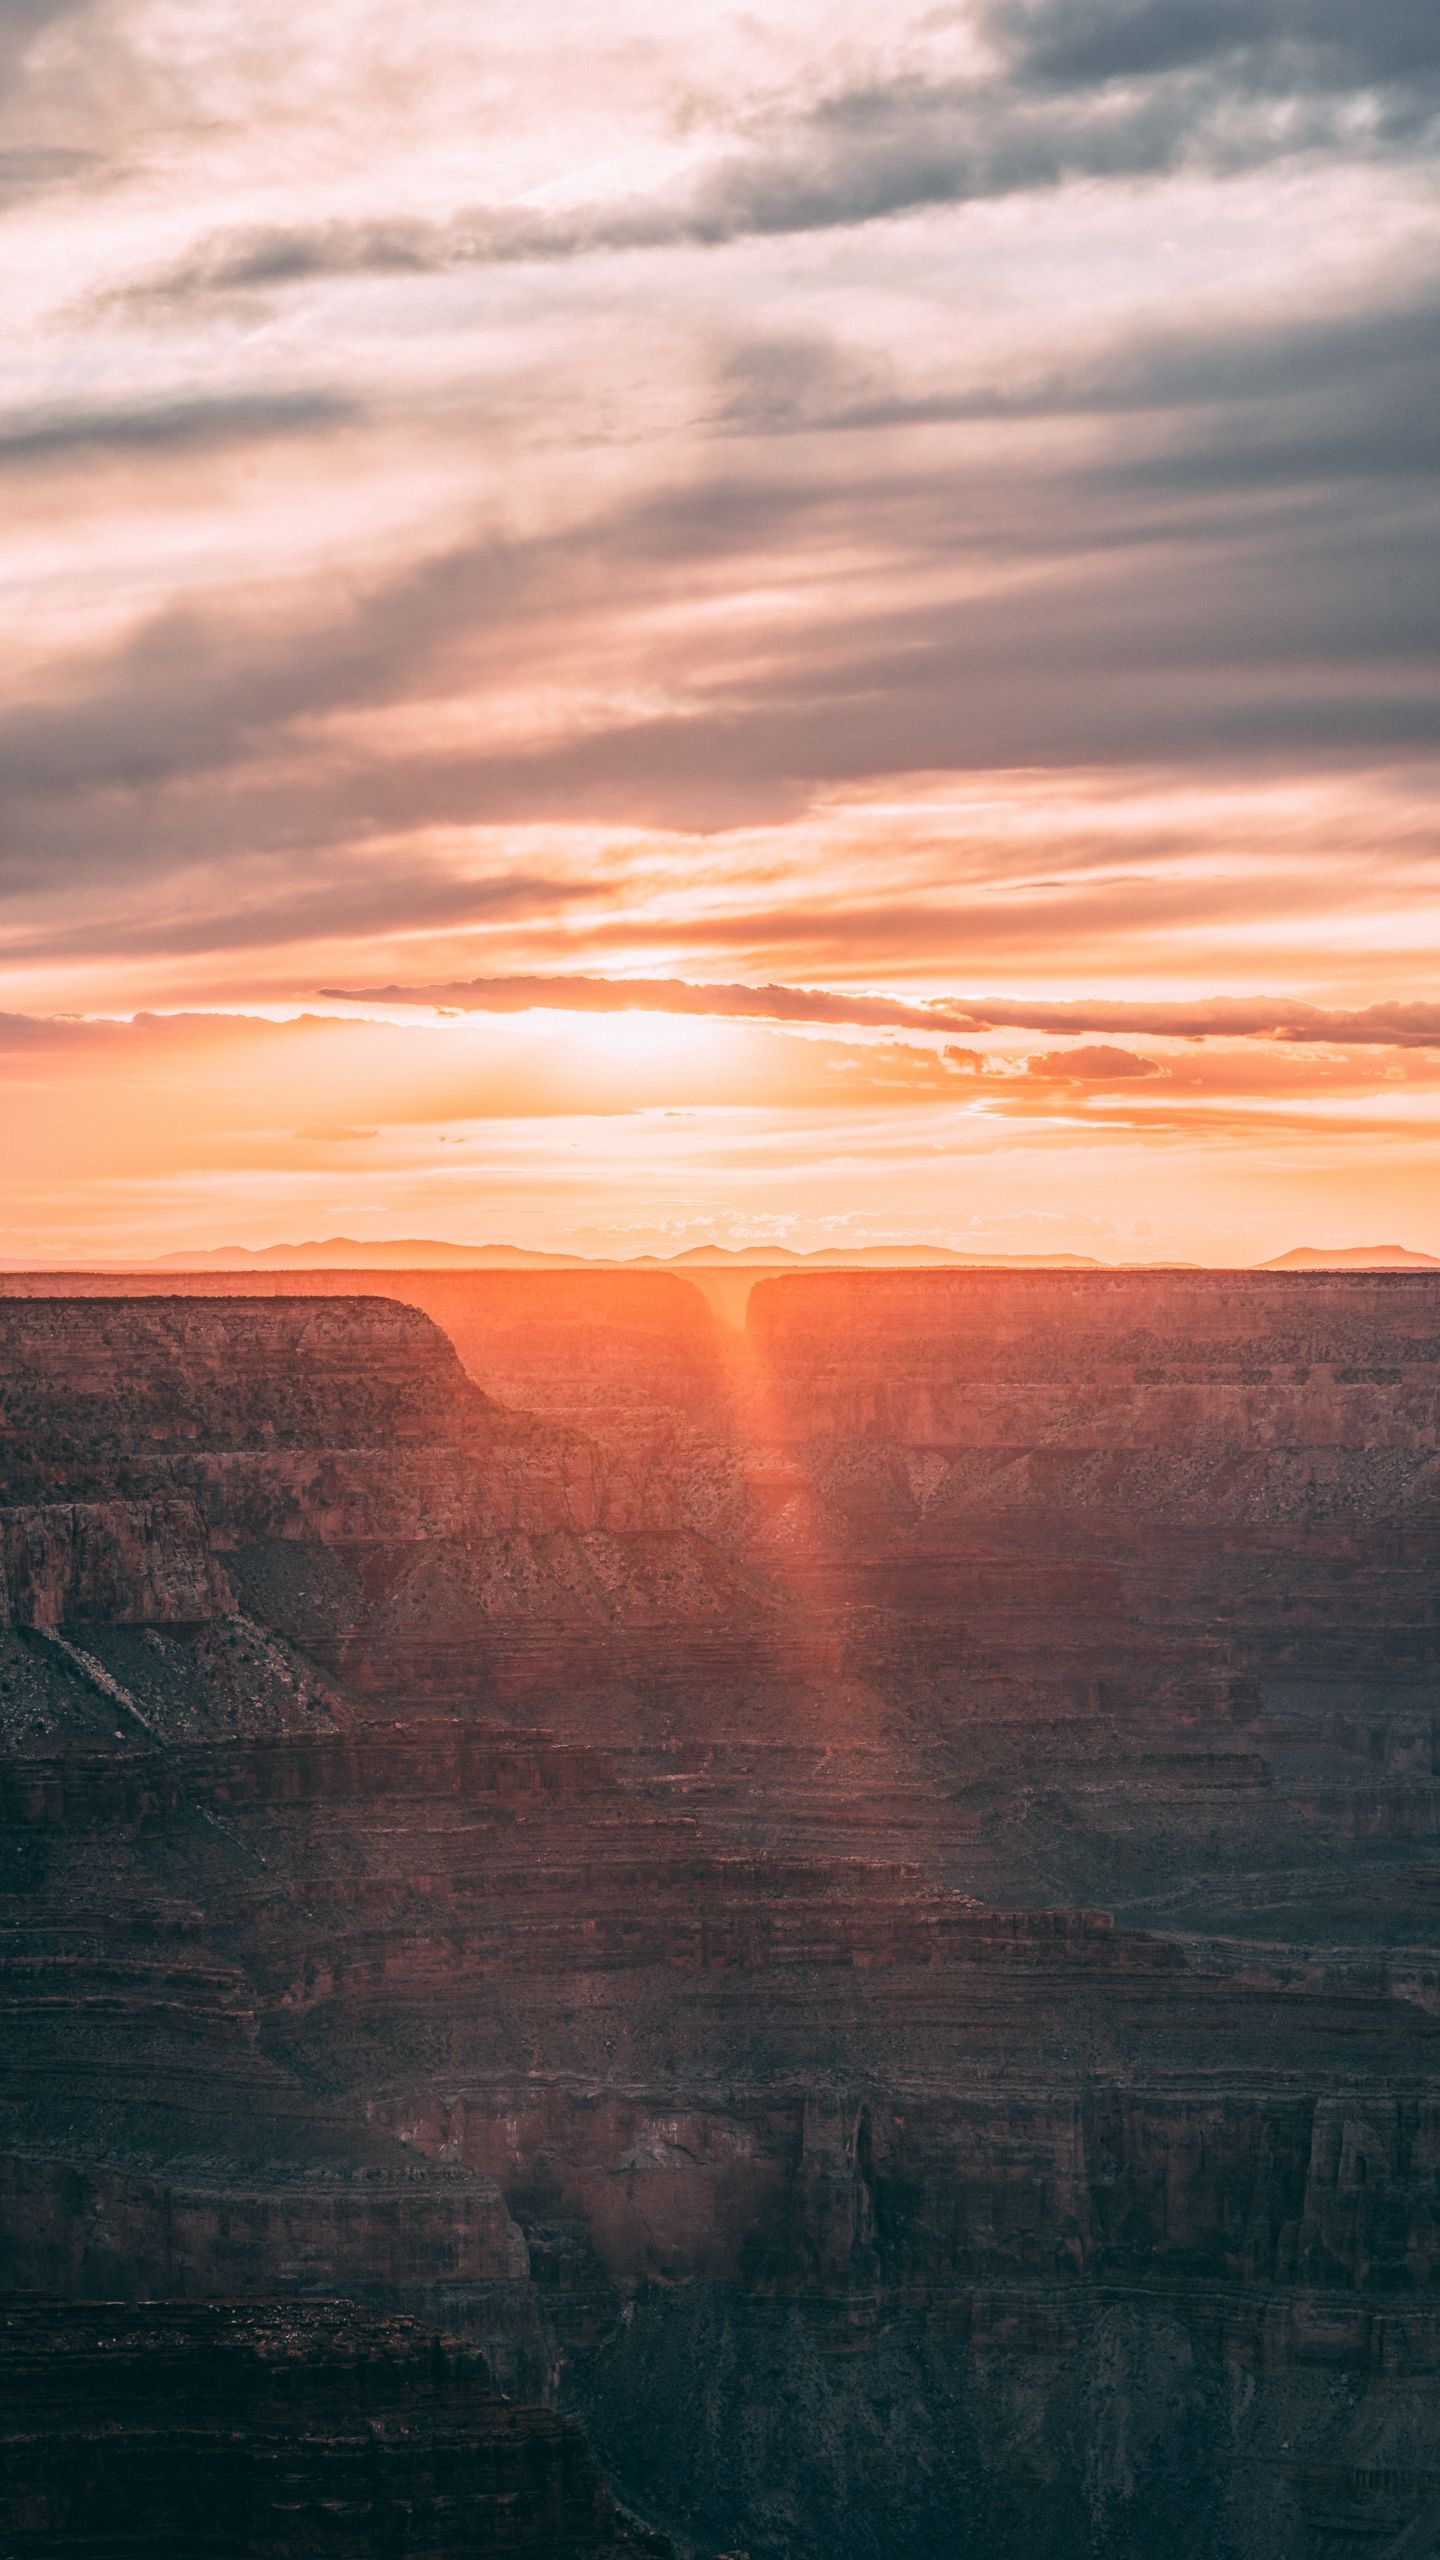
<point>121,1564</point>
<point>855,1905</point>
<point>359,1493</point>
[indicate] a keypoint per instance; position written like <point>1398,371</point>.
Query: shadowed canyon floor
<point>849,1902</point>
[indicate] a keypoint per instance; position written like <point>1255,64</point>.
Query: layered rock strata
<point>282,2431</point>
<point>936,2049</point>
<point>360,1494</point>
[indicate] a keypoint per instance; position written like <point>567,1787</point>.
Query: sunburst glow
<point>773,500</point>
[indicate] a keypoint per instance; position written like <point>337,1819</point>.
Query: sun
<point>639,1043</point>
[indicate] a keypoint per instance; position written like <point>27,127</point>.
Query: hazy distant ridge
<point>419,1253</point>
<point>424,1253</point>
<point>1352,1257</point>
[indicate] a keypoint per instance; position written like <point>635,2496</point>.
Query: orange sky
<point>933,516</point>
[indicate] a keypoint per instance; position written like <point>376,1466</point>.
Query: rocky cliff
<point>357,1490</point>
<point>278,2432</point>
<point>856,1904</point>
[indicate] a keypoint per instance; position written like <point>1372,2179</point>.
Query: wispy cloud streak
<point>32,438</point>
<point>1221,1017</point>
<point>1073,93</point>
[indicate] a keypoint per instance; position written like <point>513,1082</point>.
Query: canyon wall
<point>214,2430</point>
<point>854,1903</point>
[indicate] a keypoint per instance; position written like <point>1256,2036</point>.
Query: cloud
<point>245,907</point>
<point>1273,45</point>
<point>1282,1018</point>
<point>368,1080</point>
<point>194,687</point>
<point>105,1038</point>
<point>1211,550</point>
<point>521,994</point>
<point>194,423</point>
<point>1381,356</point>
<point>31,169</point>
<point>1147,629</point>
<point>1039,597</point>
<point>1103,1066</point>
<point>1123,92</point>
<point>22,22</point>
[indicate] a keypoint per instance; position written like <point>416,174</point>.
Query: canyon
<point>799,1923</point>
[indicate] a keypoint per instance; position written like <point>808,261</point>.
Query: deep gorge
<point>844,1906</point>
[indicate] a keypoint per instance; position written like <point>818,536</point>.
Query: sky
<point>632,623</point>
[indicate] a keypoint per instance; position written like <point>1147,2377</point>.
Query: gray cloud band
<point>191,423</point>
<point>1104,90</point>
<point>1307,627</point>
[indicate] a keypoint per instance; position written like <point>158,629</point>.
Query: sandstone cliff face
<point>121,1564</point>
<point>636,1357</point>
<point>935,2049</point>
<point>1152,1538</point>
<point>98,1389</point>
<point>1229,1400</point>
<point>1113,1587</point>
<point>360,1491</point>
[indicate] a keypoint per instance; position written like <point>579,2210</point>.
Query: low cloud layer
<point>1400,1026</point>
<point>124,1138</point>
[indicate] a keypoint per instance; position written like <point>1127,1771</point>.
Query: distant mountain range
<point>1352,1257</point>
<point>423,1253</point>
<point>344,1253</point>
<point>428,1253</point>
